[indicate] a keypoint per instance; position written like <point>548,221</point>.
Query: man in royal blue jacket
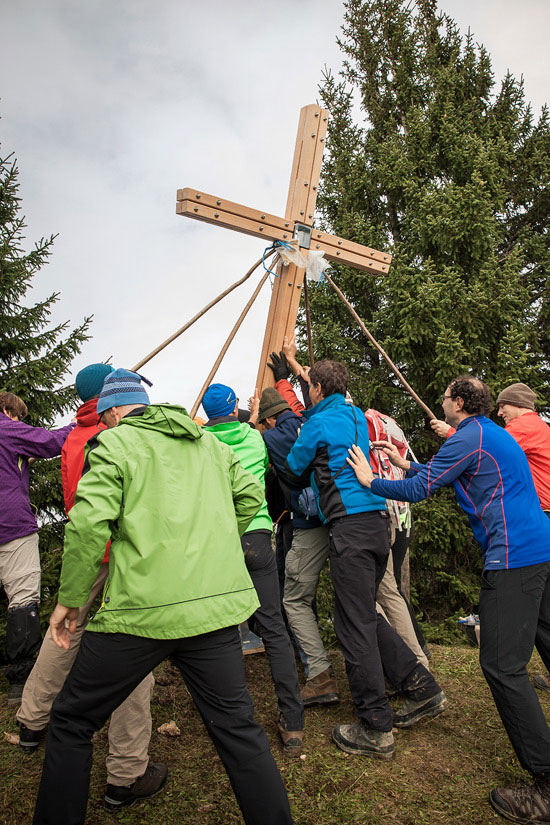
<point>359,548</point>
<point>494,486</point>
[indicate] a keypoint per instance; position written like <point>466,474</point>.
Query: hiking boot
<point>146,786</point>
<point>542,682</point>
<point>291,739</point>
<point>29,740</point>
<point>320,690</point>
<point>412,712</point>
<point>524,803</point>
<point>361,739</point>
<point>15,692</point>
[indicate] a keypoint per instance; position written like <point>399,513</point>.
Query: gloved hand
<point>279,366</point>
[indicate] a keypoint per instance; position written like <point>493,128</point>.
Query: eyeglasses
<point>443,397</point>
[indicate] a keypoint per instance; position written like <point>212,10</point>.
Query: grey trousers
<point>304,563</point>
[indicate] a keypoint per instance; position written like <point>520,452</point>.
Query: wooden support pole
<point>384,354</point>
<point>196,317</point>
<point>225,347</point>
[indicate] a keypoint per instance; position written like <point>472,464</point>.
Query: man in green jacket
<point>174,501</point>
<point>221,406</point>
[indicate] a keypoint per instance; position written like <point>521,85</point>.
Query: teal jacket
<point>174,501</point>
<point>251,451</point>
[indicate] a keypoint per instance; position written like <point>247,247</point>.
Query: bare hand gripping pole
<point>196,317</point>
<point>375,343</point>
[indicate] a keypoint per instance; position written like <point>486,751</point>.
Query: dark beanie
<point>519,395</point>
<point>89,381</point>
<point>271,403</point>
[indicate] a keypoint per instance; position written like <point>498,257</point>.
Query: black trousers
<point>514,615</point>
<point>399,551</point>
<point>107,668</point>
<point>260,562</point>
<point>359,549</point>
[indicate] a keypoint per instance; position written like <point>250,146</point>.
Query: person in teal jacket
<point>174,501</point>
<point>221,406</point>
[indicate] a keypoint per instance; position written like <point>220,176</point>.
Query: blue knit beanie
<point>218,400</point>
<point>122,387</point>
<point>89,381</point>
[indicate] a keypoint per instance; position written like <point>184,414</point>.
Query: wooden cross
<point>298,222</point>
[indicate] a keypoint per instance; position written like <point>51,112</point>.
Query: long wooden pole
<point>201,313</point>
<point>384,354</point>
<point>225,347</point>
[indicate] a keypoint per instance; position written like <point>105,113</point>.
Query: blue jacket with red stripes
<point>493,485</point>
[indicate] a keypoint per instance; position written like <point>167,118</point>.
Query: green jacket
<point>249,446</point>
<point>174,501</point>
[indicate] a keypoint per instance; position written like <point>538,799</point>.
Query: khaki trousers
<point>396,611</point>
<point>20,570</point>
<point>130,726</point>
<point>304,562</point>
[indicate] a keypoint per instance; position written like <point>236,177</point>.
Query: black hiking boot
<point>412,712</point>
<point>146,786</point>
<point>29,740</point>
<point>361,739</point>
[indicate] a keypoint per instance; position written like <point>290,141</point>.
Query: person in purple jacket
<point>19,558</point>
<point>494,486</point>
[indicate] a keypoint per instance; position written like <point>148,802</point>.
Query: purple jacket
<point>18,443</point>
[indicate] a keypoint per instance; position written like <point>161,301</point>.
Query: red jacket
<point>72,454</point>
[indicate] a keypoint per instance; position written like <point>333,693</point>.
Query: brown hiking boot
<point>524,803</point>
<point>321,690</point>
<point>291,739</point>
<point>542,682</point>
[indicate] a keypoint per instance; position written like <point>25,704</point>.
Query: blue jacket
<point>279,441</point>
<point>493,485</point>
<point>328,431</point>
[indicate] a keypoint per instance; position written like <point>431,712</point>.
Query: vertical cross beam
<point>302,197</point>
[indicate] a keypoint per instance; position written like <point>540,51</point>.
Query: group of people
<point>171,519</point>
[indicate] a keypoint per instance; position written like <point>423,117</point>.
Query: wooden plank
<point>260,384</point>
<point>317,163</point>
<point>362,262</point>
<point>234,208</point>
<point>295,160</point>
<point>303,181</point>
<point>320,240</point>
<point>283,312</point>
<point>200,212</point>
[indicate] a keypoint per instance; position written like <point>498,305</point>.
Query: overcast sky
<point>112,105</point>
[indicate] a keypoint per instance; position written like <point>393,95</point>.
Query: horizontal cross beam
<point>210,209</point>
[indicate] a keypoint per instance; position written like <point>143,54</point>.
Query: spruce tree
<point>428,158</point>
<point>35,358</point>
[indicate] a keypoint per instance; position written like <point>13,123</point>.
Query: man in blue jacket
<point>359,548</point>
<point>494,486</point>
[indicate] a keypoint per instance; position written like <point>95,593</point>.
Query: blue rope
<point>274,245</point>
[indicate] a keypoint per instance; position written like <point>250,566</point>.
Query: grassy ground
<point>441,774</point>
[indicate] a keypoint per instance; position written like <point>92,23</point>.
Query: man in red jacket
<point>129,776</point>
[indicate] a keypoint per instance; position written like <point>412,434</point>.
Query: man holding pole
<point>493,485</point>
<point>359,549</point>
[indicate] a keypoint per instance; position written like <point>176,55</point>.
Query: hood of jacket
<point>169,419</point>
<point>86,415</point>
<point>232,433</point>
